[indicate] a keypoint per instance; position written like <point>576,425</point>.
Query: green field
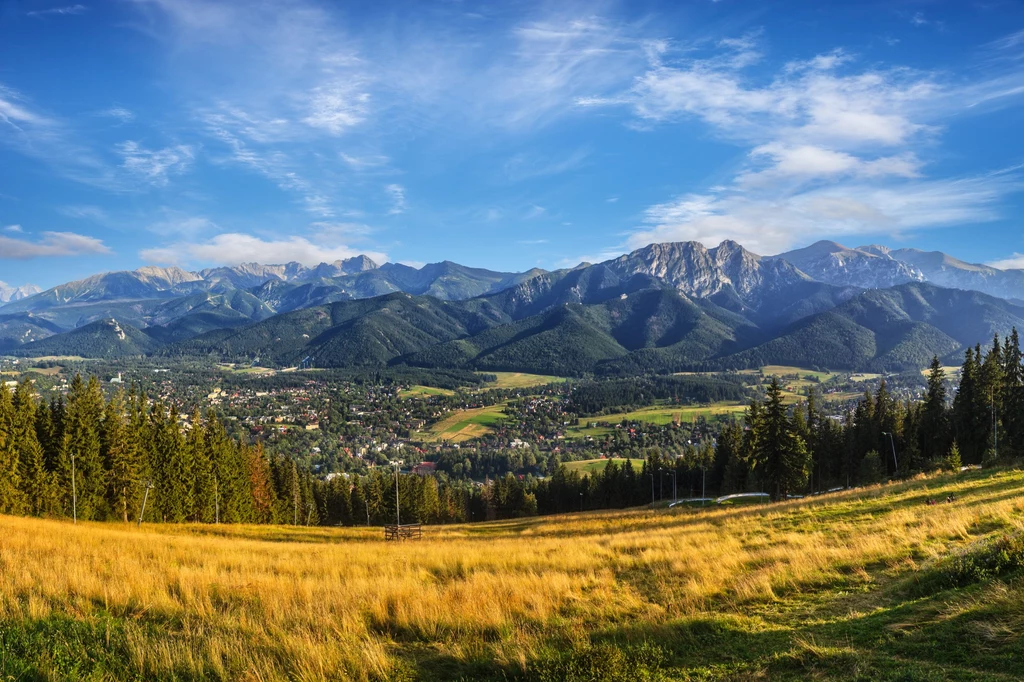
<point>522,380</point>
<point>463,425</point>
<point>596,466</point>
<point>423,392</point>
<point>658,414</point>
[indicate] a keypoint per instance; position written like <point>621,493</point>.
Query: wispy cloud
<point>832,149</point>
<point>235,248</point>
<point>155,166</point>
<point>770,222</point>
<point>85,212</point>
<point>337,107</point>
<point>559,59</point>
<point>525,166</point>
<point>120,114</point>
<point>397,196</point>
<point>57,11</point>
<point>534,212</point>
<point>51,244</point>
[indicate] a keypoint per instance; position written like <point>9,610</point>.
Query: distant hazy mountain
<point>867,267</point>
<point>889,330</point>
<point>219,297</point>
<point>662,308</point>
<point>946,271</point>
<point>9,293</point>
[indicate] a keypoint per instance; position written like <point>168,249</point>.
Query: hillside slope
<point>869,584</point>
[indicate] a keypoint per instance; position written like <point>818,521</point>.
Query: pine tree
<point>83,416</point>
<point>934,431</point>
<point>781,456</point>
<point>952,461</point>
<point>12,497</point>
<point>1012,399</point>
<point>172,492</point>
<point>121,459</point>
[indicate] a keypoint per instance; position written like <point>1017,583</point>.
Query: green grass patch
<point>596,466</point>
<point>423,392</point>
<point>522,380</point>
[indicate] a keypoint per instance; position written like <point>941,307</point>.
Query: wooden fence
<point>407,531</point>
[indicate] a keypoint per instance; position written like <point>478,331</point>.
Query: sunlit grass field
<point>463,425</point>
<point>596,466</point>
<point>848,586</point>
<point>522,380</point>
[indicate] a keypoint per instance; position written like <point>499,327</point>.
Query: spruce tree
<point>1012,400</point>
<point>83,416</point>
<point>11,494</point>
<point>121,459</point>
<point>934,431</point>
<point>781,456</point>
<point>36,485</point>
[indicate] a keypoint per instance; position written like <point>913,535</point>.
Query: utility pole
<point>652,487</point>
<point>995,428</point>
<point>74,492</point>
<point>703,478</point>
<point>216,502</point>
<point>149,484</point>
<point>895,464</point>
<point>398,511</point>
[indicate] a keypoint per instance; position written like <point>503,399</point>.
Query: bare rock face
<point>870,267</point>
<point>701,272</point>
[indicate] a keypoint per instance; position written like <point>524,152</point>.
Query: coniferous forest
<point>97,458</point>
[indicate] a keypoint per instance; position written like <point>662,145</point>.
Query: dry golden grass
<point>311,604</point>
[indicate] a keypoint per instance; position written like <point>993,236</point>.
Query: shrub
<point>602,663</point>
<point>983,560</point>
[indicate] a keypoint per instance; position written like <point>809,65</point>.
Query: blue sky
<point>503,135</point>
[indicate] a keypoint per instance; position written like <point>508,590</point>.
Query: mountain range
<point>665,307</point>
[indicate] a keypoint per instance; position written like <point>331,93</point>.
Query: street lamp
<point>74,492</point>
<point>675,497</point>
<point>895,464</point>
<point>398,512</point>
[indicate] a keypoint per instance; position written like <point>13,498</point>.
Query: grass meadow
<point>855,585</point>
<point>463,425</point>
<point>596,466</point>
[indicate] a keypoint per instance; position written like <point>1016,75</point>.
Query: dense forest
<point>93,458</point>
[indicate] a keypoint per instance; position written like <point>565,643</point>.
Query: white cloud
<point>364,162</point>
<point>397,195</point>
<point>155,166</point>
<point>181,225</point>
<point>534,212</point>
<point>234,248</point>
<point>768,223</point>
<point>13,228</point>
<point>58,11</point>
<point>1014,262</point>
<point>524,166</point>
<point>557,60</point>
<point>833,149</point>
<point>120,113</point>
<point>338,106</point>
<point>86,212</point>
<point>51,244</point>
